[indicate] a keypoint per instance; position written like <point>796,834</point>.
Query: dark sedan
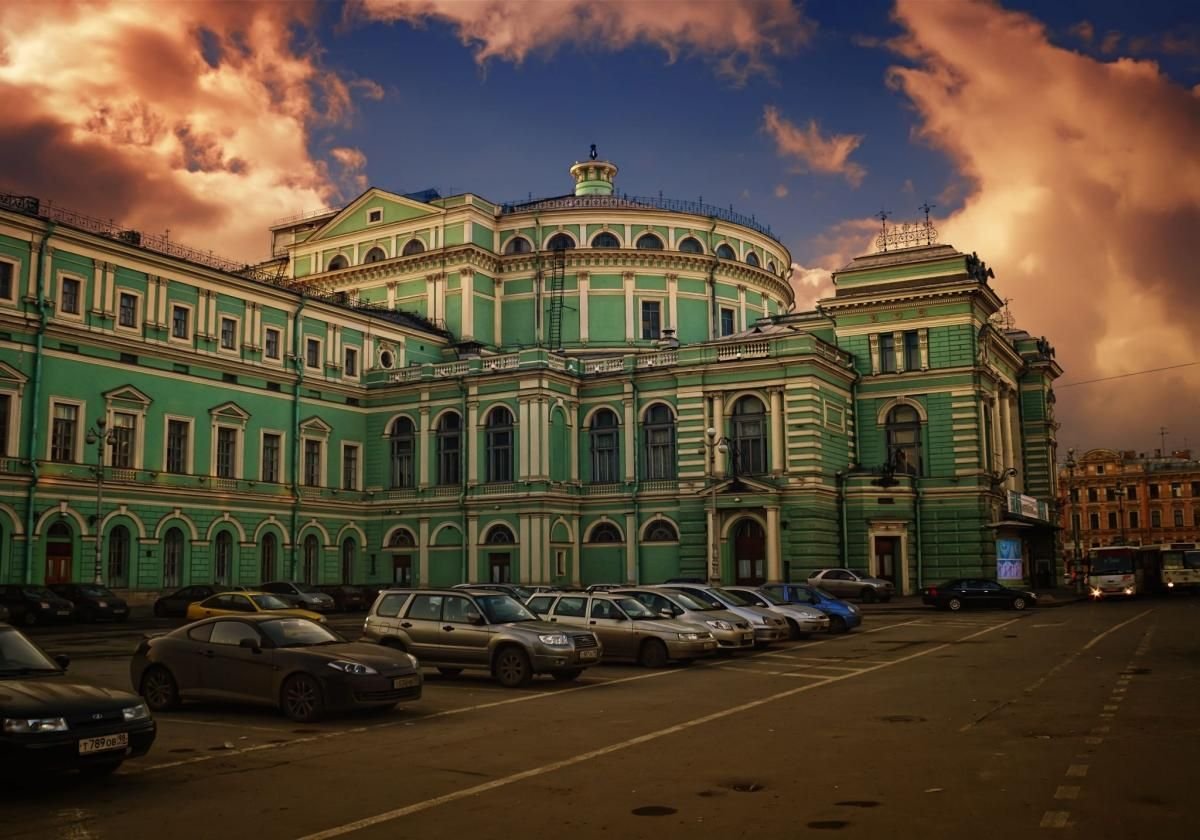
<point>35,605</point>
<point>293,664</point>
<point>346,598</point>
<point>51,723</point>
<point>960,593</point>
<point>92,601</point>
<point>176,603</point>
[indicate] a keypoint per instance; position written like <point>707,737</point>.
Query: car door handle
<point>448,627</point>
<point>591,622</point>
<point>406,624</point>
<point>554,619</point>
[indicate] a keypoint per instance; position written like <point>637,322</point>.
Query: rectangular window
<point>1196,518</point>
<point>1176,490</point>
<point>560,563</point>
<point>1135,521</point>
<point>651,319</point>
<point>271,445</point>
<point>127,311</point>
<point>312,353</point>
<point>124,439</point>
<point>1074,494</point>
<point>1094,521</point>
<point>1093,496</point>
<point>1153,491</point>
<point>271,343</point>
<point>177,446</point>
<point>312,463</point>
<point>1179,519</point>
<point>228,334</point>
<point>62,433</point>
<point>1131,492</point>
<point>1112,519</point>
<point>374,216</point>
<point>1156,519</point>
<point>70,295</point>
<point>351,361</point>
<point>728,324</point>
<point>1110,494</point>
<point>5,408</point>
<point>7,276</point>
<point>1099,469</point>
<point>226,452</point>
<point>887,353</point>
<point>181,318</point>
<point>912,350</point>
<point>349,467</point>
<point>1195,489</point>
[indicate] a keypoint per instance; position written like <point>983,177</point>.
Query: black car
<point>92,601</point>
<point>176,604</point>
<point>52,723</point>
<point>976,592</point>
<point>31,605</point>
<point>346,597</point>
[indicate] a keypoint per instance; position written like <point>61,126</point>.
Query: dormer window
<point>691,245</point>
<point>605,240</point>
<point>339,262</point>
<point>752,259</point>
<point>374,217</point>
<point>517,245</point>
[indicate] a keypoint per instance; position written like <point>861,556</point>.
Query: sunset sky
<point>1058,139</point>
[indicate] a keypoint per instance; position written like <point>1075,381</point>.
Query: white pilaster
<point>497,314</point>
<point>472,443</point>
<point>472,549</point>
<point>630,436</point>
<point>110,290</point>
<point>423,448</point>
<point>584,281</point>
<point>774,554</point>
<point>631,542</point>
<point>777,449</point>
<point>718,423</point>
<point>673,303</point>
<point>523,447</point>
<point>630,329</point>
<point>466,282</point>
<point>422,552</point>
<point>524,549</point>
<point>744,324</point>
<point>97,286</point>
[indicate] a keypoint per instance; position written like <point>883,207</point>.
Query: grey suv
<point>454,629</point>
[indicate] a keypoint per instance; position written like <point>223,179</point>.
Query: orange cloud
<point>829,155</point>
<point>1084,198</point>
<point>193,116</point>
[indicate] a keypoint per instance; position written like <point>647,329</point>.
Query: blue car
<point>843,616</point>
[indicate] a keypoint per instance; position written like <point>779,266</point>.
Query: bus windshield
<point>1191,559</point>
<point>1111,564</point>
<point>1172,559</point>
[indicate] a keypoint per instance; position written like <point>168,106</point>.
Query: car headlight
<point>138,712</point>
<point>853,609</point>
<point>719,625</point>
<point>102,604</point>
<point>44,605</point>
<point>348,667</point>
<point>554,639</point>
<point>695,637</point>
<point>413,660</point>
<point>26,726</point>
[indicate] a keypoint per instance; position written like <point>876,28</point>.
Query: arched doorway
<point>269,557</point>
<point>60,548</point>
<point>749,553</point>
<point>500,563</point>
<point>402,558</point>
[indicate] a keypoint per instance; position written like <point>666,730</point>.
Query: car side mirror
<point>62,660</point>
<point>474,618</point>
<point>250,645</point>
<point>665,613</point>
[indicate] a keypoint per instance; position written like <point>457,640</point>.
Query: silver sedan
<point>801,620</point>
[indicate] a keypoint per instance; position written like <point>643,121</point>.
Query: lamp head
<point>710,433</point>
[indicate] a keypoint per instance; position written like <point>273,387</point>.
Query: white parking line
<point>533,772</point>
<point>224,725</point>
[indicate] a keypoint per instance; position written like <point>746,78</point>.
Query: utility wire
<point>1125,375</point>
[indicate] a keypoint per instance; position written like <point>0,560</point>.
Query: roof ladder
<point>557,271</point>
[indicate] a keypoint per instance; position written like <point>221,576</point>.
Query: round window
<point>386,360</point>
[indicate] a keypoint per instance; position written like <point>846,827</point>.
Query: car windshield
<point>1191,559</point>
<point>503,609</point>
<point>735,598</point>
<point>767,598</point>
<point>703,600</point>
<point>636,609</point>
<point>18,655</point>
<point>270,602</point>
<point>298,632</point>
<point>523,592</point>
<point>38,592</point>
<point>306,588</point>
<point>1111,564</point>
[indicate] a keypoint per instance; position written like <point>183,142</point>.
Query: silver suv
<point>454,629</point>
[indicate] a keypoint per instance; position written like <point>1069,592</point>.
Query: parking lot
<point>916,724</point>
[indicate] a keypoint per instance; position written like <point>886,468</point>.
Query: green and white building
<point>588,388</point>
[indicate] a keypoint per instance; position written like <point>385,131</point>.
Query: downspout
<point>714,326</point>
<point>298,323</point>
<point>916,482</point>
<point>463,460</point>
<point>39,342</point>
<point>843,530</point>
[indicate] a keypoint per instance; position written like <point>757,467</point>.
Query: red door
<point>886,551</point>
<point>749,550</point>
<point>59,554</point>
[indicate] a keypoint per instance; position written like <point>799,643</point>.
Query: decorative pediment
<point>229,411</point>
<point>11,377</point>
<point>739,484</point>
<point>358,214</point>
<point>127,394</point>
<point>315,427</point>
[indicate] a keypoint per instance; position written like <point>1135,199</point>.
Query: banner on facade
<point>1009,563</point>
<point>1027,506</point>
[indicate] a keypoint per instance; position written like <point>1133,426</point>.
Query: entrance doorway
<point>887,551</point>
<point>59,554</point>
<point>402,569</point>
<point>750,553</point>
<point>499,567</point>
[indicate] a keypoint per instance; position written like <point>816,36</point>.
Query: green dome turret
<point>594,177</point>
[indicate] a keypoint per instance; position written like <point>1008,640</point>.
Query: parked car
<point>247,603</point>
<point>346,598</point>
<point>976,592</point>
<point>843,616</point>
<point>175,604</point>
<point>292,663</point>
<point>521,593</point>
<point>53,723</point>
<point>732,632</point>
<point>31,605</point>
<point>627,628</point>
<point>453,629</point>
<point>767,626</point>
<point>303,595</point>
<point>801,620</point>
<point>604,587</point>
<point>3,613</point>
<point>92,602</point>
<point>847,584</point>
<point>686,580</point>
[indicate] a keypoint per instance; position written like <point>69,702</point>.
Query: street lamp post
<point>1073,497</point>
<point>1120,494</point>
<point>99,435</point>
<point>713,444</point>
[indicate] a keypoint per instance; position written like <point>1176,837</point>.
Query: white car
<point>768,627</point>
<point>801,620</point>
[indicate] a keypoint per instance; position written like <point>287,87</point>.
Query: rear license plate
<point>105,742</point>
<point>64,612</point>
<point>589,654</point>
<point>405,682</point>
<point>747,637</point>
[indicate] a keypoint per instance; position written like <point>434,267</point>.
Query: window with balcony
<point>63,431</point>
<point>124,440</point>
<point>178,434</point>
<point>272,445</point>
<point>226,454</point>
<point>349,466</point>
<point>658,433</point>
<point>312,462</point>
<point>449,448</point>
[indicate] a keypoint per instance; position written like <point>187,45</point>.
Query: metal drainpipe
<point>39,346</point>
<point>463,460</point>
<point>298,324</point>
<point>845,535</point>
<point>537,285</point>
<point>917,532</point>
<point>714,326</point>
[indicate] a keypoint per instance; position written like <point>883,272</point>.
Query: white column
<point>718,422</point>
<point>997,435</point>
<point>774,564</point>
<point>431,296</point>
<point>330,344</point>
<point>981,417</point>
<point>497,314</point>
<point>472,549</point>
<point>47,267</point>
<point>212,315</point>
<point>391,295</point>
<point>1006,431</point>
<point>712,551</point>
<point>1018,454</point>
<point>673,303</point>
<point>777,451</point>
<point>631,540</point>
<point>149,313</point>
<point>630,328</point>
<point>249,310</point>
<point>472,443</point>
<point>742,307</point>
<point>524,548</point>
<point>466,283</point>
<point>31,278</point>
<point>537,451</point>
<point>523,427</point>
<point>163,314</point>
<point>630,436</point>
<point>97,286</point>
<point>423,551</point>
<point>584,281</point>
<point>110,289</point>
<point>423,456</point>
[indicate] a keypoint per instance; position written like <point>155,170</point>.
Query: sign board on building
<point>1027,506</point>
<point>1009,563</point>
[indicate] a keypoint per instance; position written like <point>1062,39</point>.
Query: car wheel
<point>653,654</point>
<point>511,667</point>
<point>954,604</point>
<point>794,630</point>
<point>449,672</point>
<point>1018,603</point>
<point>868,595</point>
<point>837,624</point>
<point>567,676</point>
<point>159,689</point>
<point>300,698</point>
<point>96,771</point>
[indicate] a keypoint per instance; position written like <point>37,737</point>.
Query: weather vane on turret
<point>592,153</point>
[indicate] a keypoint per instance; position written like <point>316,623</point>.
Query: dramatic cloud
<point>193,116</point>
<point>810,285</point>
<point>741,36</point>
<point>829,155</point>
<point>1085,198</point>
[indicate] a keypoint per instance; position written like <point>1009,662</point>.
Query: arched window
<point>500,535</point>
<point>605,239</point>
<point>752,259</point>
<point>268,557</point>
<point>649,242</point>
<point>660,530</point>
<point>605,532</point>
<point>659,434</point>
<point>223,559</point>
<point>403,451</point>
<point>413,246</point>
<point>172,558</point>
<point>449,448</point>
<point>499,445</point>
<point>606,449</point>
<point>339,262</point>
<point>903,431</point>
<point>771,267</point>
<point>348,552</point>
<point>58,531</point>
<point>401,537</point>
<point>749,436</point>
<point>312,558</point>
<point>691,245</point>
<point>118,557</point>
<point>517,245</point>
<point>560,242</point>
<point>375,255</point>
<point>725,252</point>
